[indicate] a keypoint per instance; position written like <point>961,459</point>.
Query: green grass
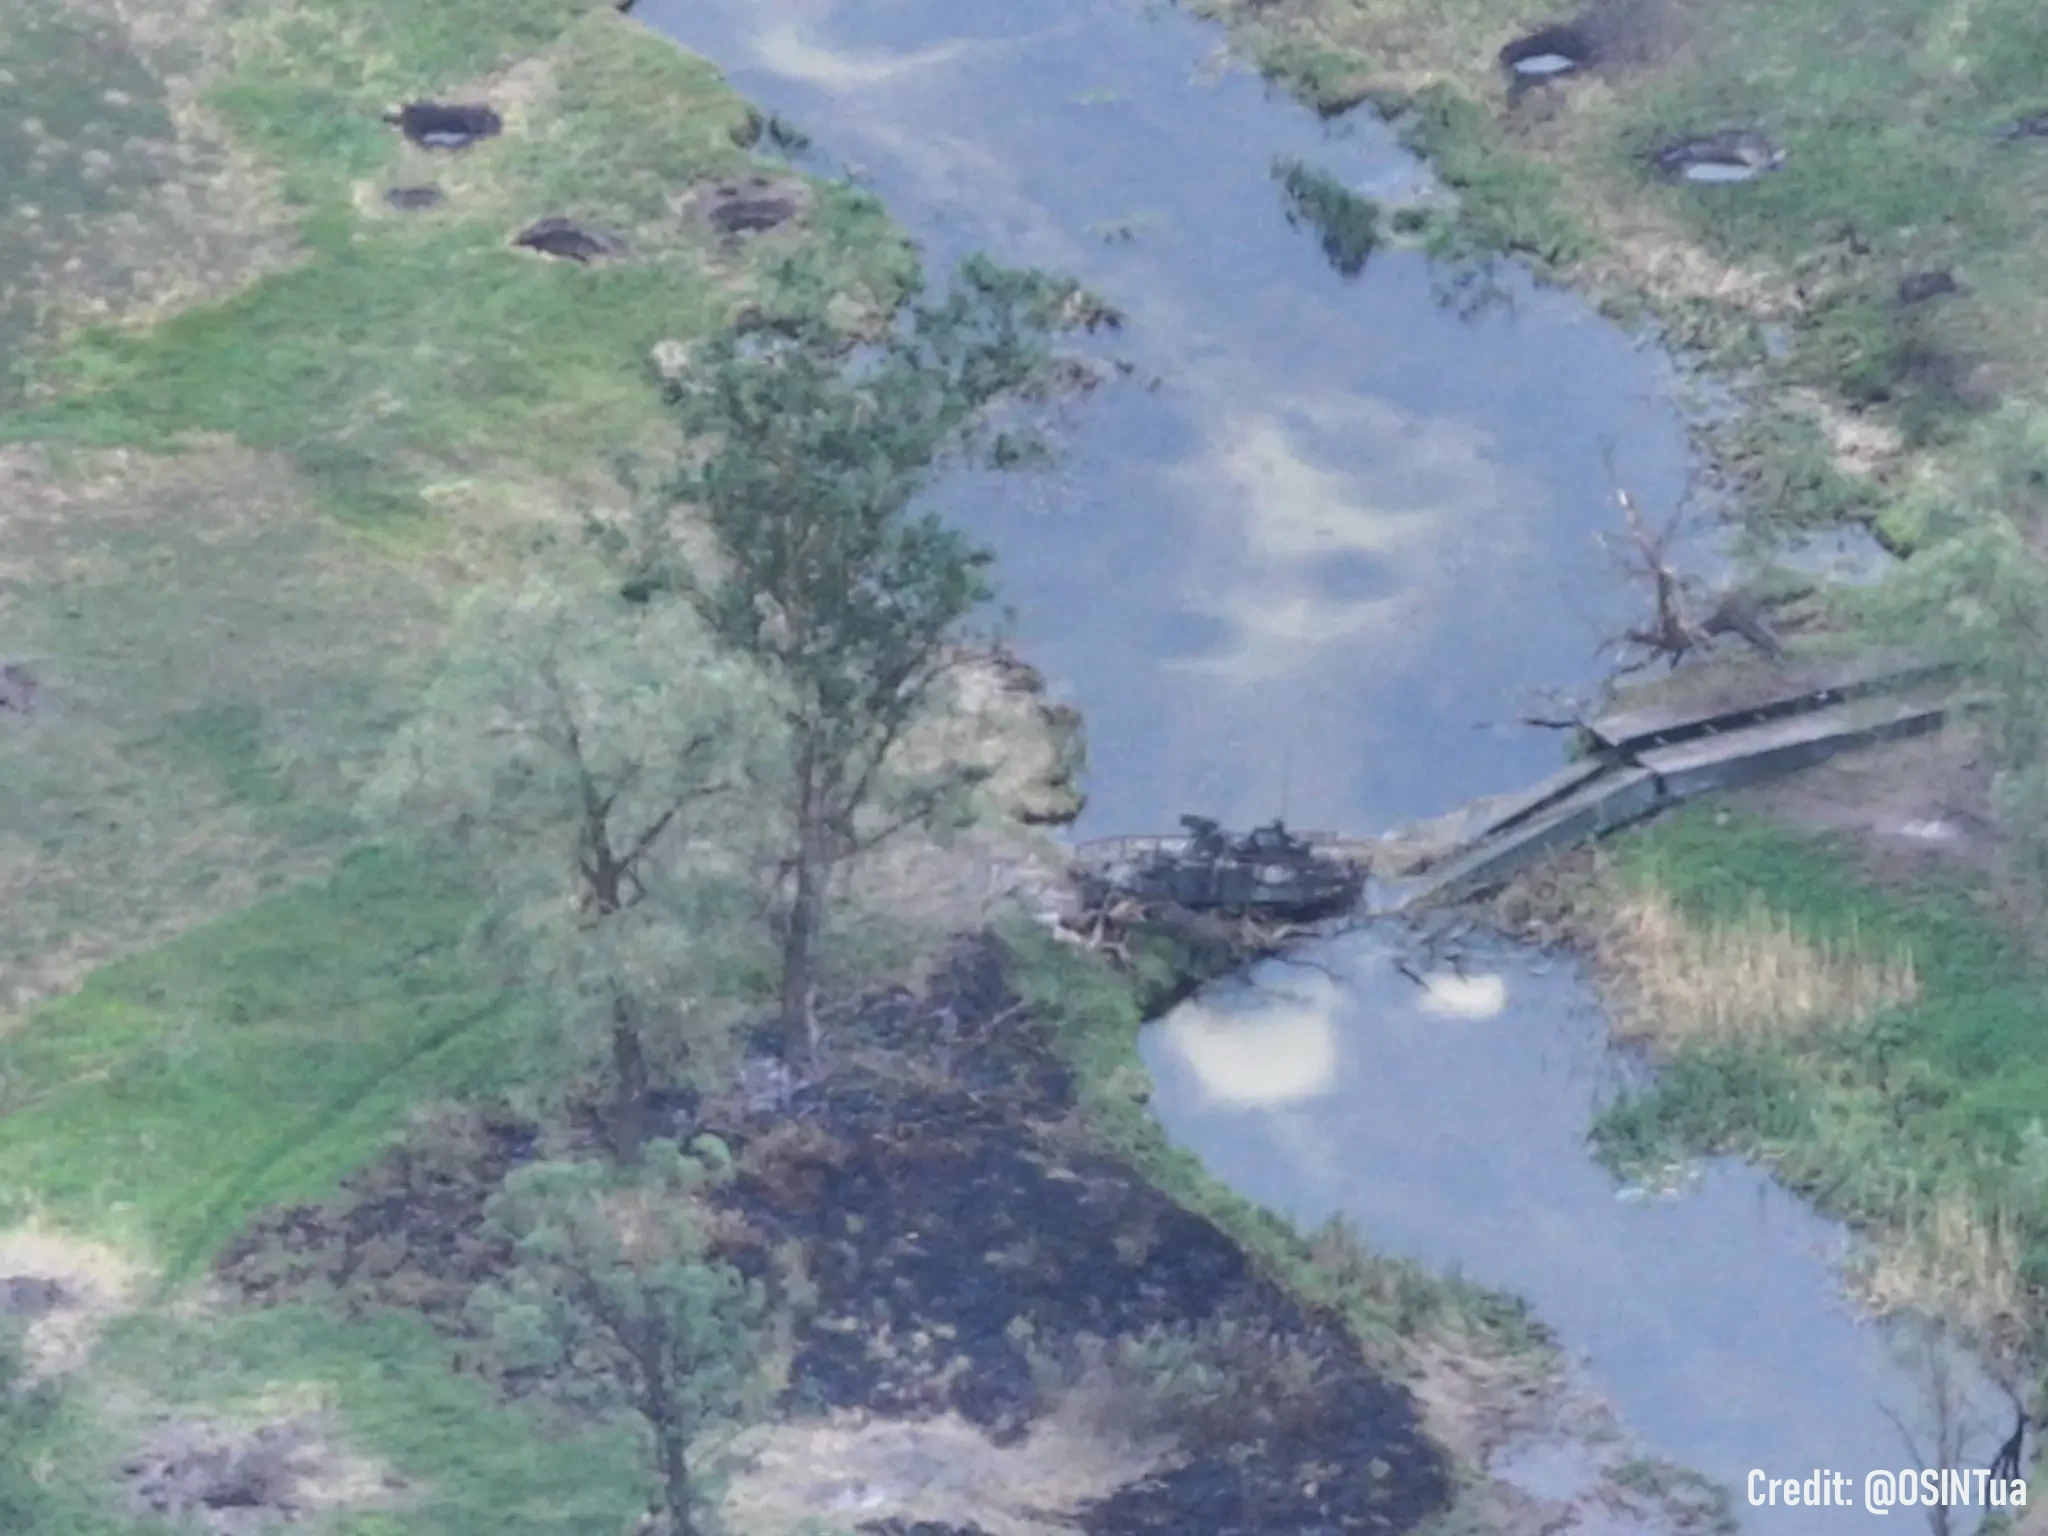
<point>1936,1098</point>
<point>256,1060</point>
<point>405,349</point>
<point>402,350</point>
<point>60,70</point>
<point>220,664</point>
<point>1347,225</point>
<point>1509,202</point>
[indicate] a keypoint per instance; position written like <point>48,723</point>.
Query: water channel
<point>1321,567</point>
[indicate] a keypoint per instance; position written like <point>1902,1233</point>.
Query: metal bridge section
<point>1723,728</point>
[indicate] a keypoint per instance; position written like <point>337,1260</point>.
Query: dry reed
<point>1951,1261</point>
<point>1672,980</point>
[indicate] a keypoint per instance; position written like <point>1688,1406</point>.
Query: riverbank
<point>240,495</point>
<point>1871,299</point>
<point>1835,979</point>
<point>1830,970</point>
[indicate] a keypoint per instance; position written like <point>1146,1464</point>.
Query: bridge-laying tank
<point>1268,870</point>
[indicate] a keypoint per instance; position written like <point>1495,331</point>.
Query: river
<point>1316,556</point>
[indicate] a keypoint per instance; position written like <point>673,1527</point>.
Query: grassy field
<point>1874,1045</point>
<point>230,522</point>
<point>256,427</point>
<point>1888,114</point>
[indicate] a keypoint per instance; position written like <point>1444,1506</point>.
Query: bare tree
<point>1672,632</point>
<point>1683,619</point>
<point>1945,1410</point>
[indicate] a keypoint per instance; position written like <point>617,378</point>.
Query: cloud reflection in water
<point>1274,1047</point>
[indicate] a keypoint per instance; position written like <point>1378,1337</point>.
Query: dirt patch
<point>1905,807</point>
<point>941,1472</point>
<point>235,1480</point>
<point>63,1289</point>
<point>1860,445</point>
<point>1551,1457</point>
<point>751,205</point>
<point>956,1236</point>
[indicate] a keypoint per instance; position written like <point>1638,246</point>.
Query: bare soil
<point>1905,807</point>
<point>233,1480</point>
<point>61,1290</point>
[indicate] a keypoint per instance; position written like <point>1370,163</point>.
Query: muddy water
<point>1316,556</point>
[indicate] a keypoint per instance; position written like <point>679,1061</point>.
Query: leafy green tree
<point>600,766</point>
<point>616,1298</point>
<point>808,458</point>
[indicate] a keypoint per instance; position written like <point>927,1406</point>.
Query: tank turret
<point>1268,870</point>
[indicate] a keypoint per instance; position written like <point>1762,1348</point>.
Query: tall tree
<point>807,459</point>
<point>616,1297</point>
<point>600,765</point>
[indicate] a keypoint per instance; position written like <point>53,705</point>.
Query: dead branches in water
<point>1677,627</point>
<point>1206,939</point>
<point>1672,632</point>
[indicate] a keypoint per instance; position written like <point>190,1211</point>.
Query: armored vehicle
<point>1268,870</point>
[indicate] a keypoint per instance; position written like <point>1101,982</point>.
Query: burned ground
<point>403,1232</point>
<point>957,1233</point>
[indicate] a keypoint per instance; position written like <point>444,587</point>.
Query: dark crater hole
<point>414,199</point>
<point>446,125</point>
<point>567,240</point>
<point>1734,154</point>
<point>1549,53</point>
